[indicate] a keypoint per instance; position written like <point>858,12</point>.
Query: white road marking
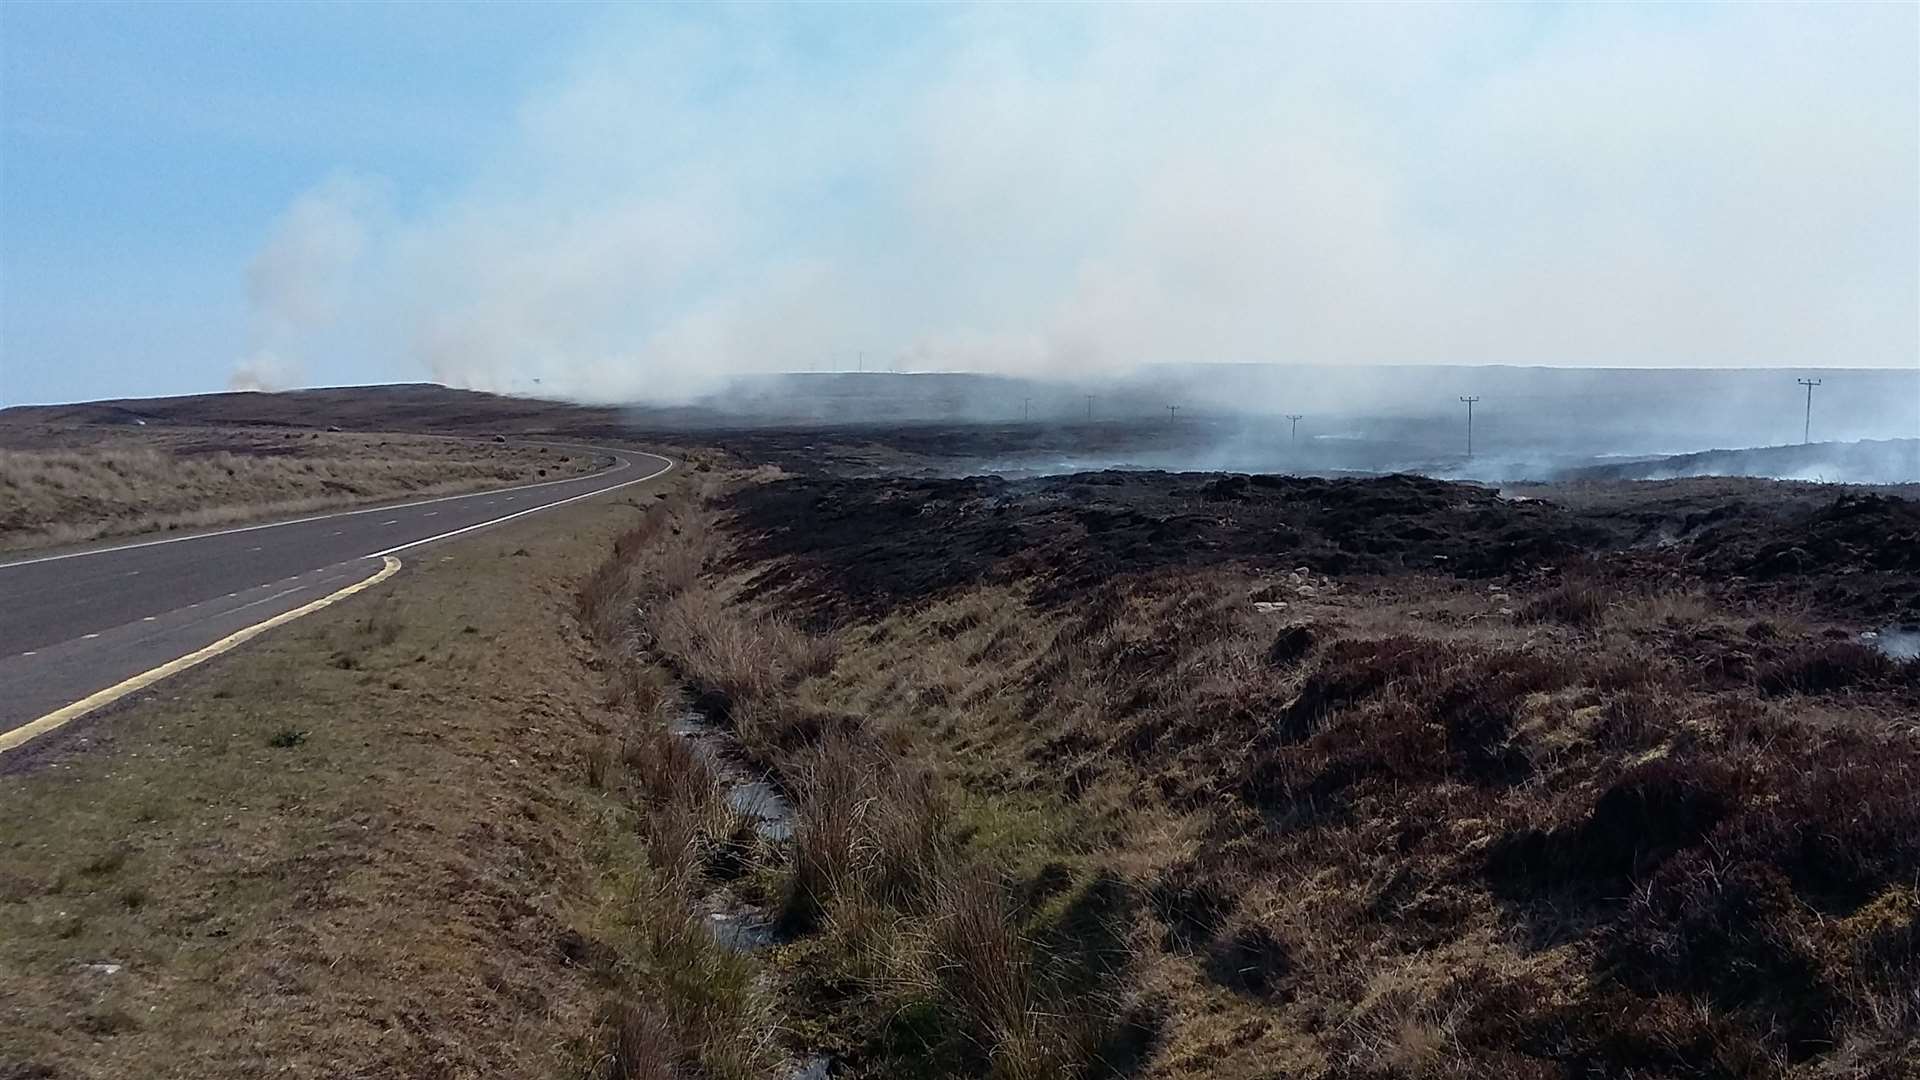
<point>619,464</point>
<point>31,652</point>
<point>267,599</point>
<point>395,521</point>
<point>88,637</point>
<point>253,549</point>
<point>535,509</point>
<point>431,513</point>
<point>131,573</point>
<point>20,735</point>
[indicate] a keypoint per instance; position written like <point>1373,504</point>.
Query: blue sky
<point>629,202</point>
<point>147,150</point>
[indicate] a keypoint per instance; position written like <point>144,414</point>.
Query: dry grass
<point>1407,827</point>
<point>872,829</point>
<point>361,871</point>
<point>1627,825</point>
<point>880,886</point>
<point>680,1001</point>
<point>978,962</point>
<point>199,478</point>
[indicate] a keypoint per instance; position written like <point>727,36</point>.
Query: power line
<point>1469,400</point>
<point>1806,430</point>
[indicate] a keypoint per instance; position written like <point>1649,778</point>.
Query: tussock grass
<point>980,965</point>
<point>681,1002</point>
<point>1619,822</point>
<point>879,876</point>
<point>872,828</point>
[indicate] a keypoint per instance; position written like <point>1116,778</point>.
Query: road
<point>81,625</point>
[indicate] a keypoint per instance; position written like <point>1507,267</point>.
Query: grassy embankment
<point>361,846</point>
<point>1392,825</point>
<point>1405,825</point>
<point>115,484</point>
<point>909,955</point>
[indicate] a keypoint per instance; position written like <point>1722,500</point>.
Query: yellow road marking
<point>20,736</point>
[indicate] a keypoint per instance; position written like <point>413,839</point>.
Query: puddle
<point>1899,642</point>
<point>747,795</point>
<point>706,738</point>
<point>740,931</point>
<point>817,1068</point>
<point>772,814</point>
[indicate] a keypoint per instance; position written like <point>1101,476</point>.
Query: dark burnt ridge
<point>861,545</point>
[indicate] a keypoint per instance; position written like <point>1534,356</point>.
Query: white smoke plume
<point>264,371</point>
<point>1077,190</point>
<point>303,280</point>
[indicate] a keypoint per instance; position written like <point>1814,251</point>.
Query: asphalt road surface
<point>75,624</point>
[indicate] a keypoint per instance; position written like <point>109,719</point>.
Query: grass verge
<point>282,863</point>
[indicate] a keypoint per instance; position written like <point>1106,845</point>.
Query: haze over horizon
<point>630,204</point>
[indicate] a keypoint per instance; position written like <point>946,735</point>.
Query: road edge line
<point>329,515</point>
<point>535,509</point>
<point>33,729</point>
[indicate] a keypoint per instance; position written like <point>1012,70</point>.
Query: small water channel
<point>734,924</point>
<point>747,795</point>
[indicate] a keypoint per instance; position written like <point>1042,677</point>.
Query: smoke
<point>265,371</point>
<point>1079,191</point>
<point>303,280</point>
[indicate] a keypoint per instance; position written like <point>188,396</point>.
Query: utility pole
<point>1806,431</point>
<point>863,362</point>
<point>1089,408</point>
<point>1470,401</point>
<point>1294,437</point>
<point>1171,410</point>
<point>1026,407</point>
